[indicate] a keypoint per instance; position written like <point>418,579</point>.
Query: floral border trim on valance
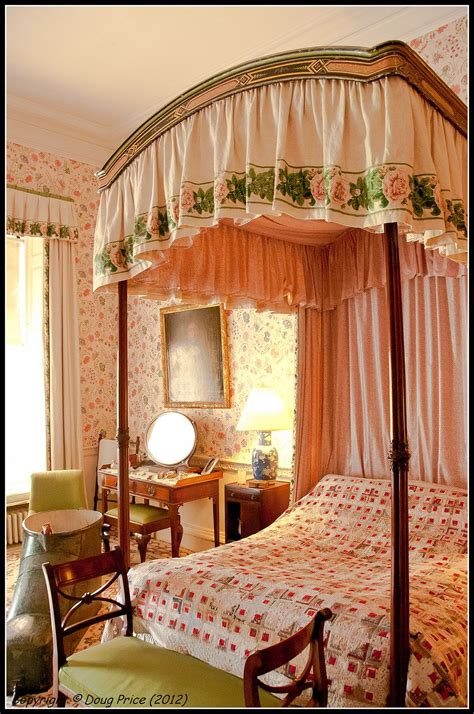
<point>46,230</point>
<point>36,213</point>
<point>384,189</point>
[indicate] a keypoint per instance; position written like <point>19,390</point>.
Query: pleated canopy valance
<point>326,149</point>
<point>230,265</point>
<point>40,214</point>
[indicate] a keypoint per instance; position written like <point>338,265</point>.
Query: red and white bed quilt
<point>330,549</point>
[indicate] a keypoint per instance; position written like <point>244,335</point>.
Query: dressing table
<point>167,480</point>
<point>170,493</point>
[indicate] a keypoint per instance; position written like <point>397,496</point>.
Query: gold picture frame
<point>195,356</point>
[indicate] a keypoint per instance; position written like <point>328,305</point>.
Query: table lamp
<point>264,411</point>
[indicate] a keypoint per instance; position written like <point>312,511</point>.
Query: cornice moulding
<point>44,129</point>
<point>56,143</point>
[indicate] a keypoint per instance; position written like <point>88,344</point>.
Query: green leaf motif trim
<point>261,185</point>
<point>386,187</point>
<point>24,227</point>
<point>116,257</point>
<point>456,215</point>
<point>423,196</point>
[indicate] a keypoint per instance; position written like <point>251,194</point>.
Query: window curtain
<point>30,213</point>
<point>343,411</point>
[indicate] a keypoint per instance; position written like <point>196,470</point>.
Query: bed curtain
<point>243,269</point>
<point>343,411</point>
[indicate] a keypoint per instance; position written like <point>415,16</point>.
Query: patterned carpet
<point>156,549</point>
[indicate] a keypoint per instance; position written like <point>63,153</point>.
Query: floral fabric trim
<point>380,189</point>
<point>27,227</point>
<point>46,354</point>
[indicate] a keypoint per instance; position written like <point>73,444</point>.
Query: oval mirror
<point>171,439</point>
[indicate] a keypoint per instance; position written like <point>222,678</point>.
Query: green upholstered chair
<point>129,672</point>
<point>57,490</point>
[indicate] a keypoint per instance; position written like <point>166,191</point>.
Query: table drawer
<point>243,494</point>
<point>147,489</point>
<point>109,481</point>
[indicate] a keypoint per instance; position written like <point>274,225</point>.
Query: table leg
<point>176,530</point>
<point>215,514</point>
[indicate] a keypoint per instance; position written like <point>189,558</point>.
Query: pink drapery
<point>241,269</point>
<point>343,387</point>
<point>343,413</point>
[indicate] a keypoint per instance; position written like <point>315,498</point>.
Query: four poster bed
<point>300,182</point>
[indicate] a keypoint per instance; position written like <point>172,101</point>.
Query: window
<point>25,434</point>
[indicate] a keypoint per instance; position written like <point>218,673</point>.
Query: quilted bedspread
<point>330,549</point>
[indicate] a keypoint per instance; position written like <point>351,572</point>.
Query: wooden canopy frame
<point>392,58</point>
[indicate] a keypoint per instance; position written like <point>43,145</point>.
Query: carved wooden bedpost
<point>122,419</point>
<point>399,457</point>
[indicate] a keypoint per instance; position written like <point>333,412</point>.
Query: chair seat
<point>142,514</point>
<point>138,672</point>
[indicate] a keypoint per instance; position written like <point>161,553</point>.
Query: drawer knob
<point>232,494</point>
<point>150,490</point>
<point>253,497</point>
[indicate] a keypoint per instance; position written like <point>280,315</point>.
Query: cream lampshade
<point>265,411</point>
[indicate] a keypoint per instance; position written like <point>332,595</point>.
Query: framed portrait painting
<point>195,356</point>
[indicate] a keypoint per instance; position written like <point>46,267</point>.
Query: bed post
<point>399,457</point>
<point>122,418</point>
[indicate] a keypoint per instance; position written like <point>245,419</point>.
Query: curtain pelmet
<point>30,213</point>
<point>360,155</point>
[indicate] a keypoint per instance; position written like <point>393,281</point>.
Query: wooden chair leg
<point>142,542</point>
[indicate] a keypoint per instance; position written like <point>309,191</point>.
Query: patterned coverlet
<point>330,549</point>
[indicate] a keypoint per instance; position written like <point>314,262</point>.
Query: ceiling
<point>81,79</point>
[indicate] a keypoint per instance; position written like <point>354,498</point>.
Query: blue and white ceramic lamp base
<point>265,458</point>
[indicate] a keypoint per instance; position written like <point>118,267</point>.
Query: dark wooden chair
<point>270,658</point>
<point>129,671</point>
<point>144,520</point>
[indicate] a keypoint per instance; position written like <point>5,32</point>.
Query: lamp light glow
<point>265,411</point>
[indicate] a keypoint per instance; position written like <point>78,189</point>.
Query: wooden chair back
<point>63,575</point>
<point>270,658</point>
<point>58,577</point>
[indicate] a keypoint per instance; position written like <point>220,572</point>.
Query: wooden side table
<point>249,509</point>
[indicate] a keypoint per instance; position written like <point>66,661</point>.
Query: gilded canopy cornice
<point>351,63</point>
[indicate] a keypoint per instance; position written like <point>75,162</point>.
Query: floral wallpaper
<point>445,50</point>
<point>262,351</point>
<point>261,345</point>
